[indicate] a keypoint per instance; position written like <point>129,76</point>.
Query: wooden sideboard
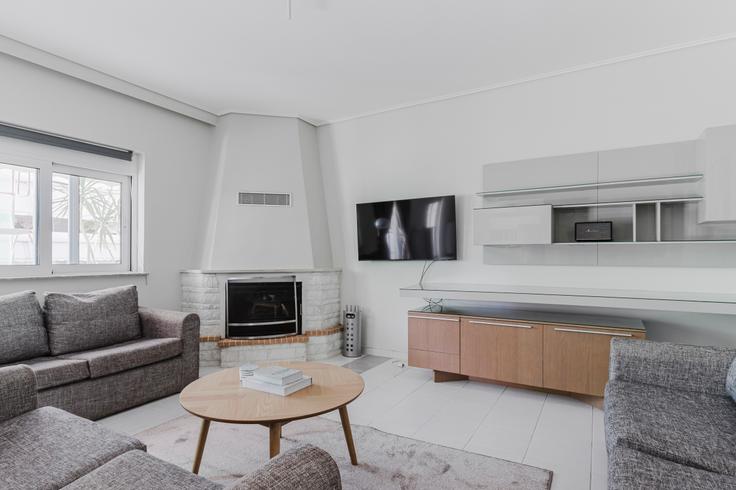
<point>558,352</point>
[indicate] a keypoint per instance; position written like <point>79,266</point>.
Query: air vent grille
<point>264,199</point>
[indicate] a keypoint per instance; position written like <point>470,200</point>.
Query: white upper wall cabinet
<point>717,156</point>
<point>581,168</point>
<point>527,225</point>
<point>648,162</point>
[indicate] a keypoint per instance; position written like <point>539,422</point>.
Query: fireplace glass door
<point>263,309</point>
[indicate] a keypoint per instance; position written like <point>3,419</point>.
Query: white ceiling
<point>337,59</point>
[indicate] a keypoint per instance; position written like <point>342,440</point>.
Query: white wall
<point>439,148</point>
<point>266,154</point>
<point>315,194</point>
<point>176,153</point>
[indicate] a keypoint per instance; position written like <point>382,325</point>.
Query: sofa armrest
<point>680,367</point>
<point>167,324</point>
<point>17,391</point>
<point>175,324</point>
<point>304,467</point>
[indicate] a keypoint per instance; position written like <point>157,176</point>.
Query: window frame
<point>48,160</point>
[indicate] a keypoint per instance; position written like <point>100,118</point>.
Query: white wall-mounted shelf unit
<point>679,301</point>
<point>620,203</point>
<point>676,196</point>
<point>673,179</point>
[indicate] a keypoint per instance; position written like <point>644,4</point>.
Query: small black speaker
<point>594,231</point>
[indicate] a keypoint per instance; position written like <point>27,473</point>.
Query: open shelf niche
<point>656,221</point>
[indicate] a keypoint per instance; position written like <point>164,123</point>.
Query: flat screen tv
<point>409,229</point>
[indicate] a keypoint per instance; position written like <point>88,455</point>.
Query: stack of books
<point>277,380</point>
<point>247,370</point>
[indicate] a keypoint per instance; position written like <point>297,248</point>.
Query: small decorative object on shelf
<point>277,380</point>
<point>594,231</point>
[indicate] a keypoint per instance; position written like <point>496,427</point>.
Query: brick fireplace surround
<point>203,292</point>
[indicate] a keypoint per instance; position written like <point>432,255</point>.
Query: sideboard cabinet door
<point>502,350</point>
<point>434,341</point>
<point>576,358</point>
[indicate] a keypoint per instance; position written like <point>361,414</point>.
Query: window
<point>18,215</point>
<point>64,211</point>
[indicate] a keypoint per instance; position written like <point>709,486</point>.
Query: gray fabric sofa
<point>95,354</point>
<point>47,448</point>
<point>670,422</point>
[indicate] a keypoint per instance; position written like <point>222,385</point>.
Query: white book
<point>282,390</point>
<point>247,370</point>
<point>277,375</point>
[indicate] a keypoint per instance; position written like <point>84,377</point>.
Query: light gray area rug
<point>386,461</point>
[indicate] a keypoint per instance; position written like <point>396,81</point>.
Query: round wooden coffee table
<point>218,397</point>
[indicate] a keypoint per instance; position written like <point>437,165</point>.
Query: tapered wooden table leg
<point>200,445</point>
<point>275,439</point>
<point>348,434</point>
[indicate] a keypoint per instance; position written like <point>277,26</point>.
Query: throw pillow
<point>84,321</point>
<point>22,334</point>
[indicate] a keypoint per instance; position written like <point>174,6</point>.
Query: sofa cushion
<point>87,320</point>
<point>127,355</point>
<point>22,333</point>
<point>633,470</point>
<point>54,371</point>
<point>689,428</point>
<point>139,470</point>
<point>48,448</point>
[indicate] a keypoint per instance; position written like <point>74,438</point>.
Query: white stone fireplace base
<point>203,292</point>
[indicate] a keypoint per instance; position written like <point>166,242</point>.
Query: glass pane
<point>60,213</point>
<point>99,221</point>
<point>87,220</point>
<point>18,215</point>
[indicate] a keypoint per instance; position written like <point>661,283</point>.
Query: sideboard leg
<point>441,377</point>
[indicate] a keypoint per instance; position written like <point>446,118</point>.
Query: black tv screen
<point>410,229</point>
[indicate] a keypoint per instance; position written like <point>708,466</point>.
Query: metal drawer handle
<point>595,332</point>
<point>434,318</point>
<point>498,324</point>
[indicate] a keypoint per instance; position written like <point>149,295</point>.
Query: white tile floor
<point>545,430</point>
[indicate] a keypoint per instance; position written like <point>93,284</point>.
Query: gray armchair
<point>305,467</point>
<point>674,366</point>
<point>669,420</point>
<point>61,450</point>
<point>17,391</point>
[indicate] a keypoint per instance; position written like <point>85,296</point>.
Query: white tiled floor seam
<point>536,424</point>
<point>592,439</point>
<point>482,421</point>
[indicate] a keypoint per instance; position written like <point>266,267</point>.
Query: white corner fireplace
<point>252,316</point>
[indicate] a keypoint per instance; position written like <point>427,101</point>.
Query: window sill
<point>74,275</point>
